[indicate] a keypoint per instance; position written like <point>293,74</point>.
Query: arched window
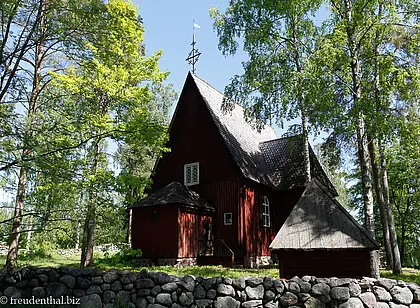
<point>266,212</point>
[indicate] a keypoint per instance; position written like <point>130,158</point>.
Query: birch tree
<point>364,65</point>
<point>279,38</point>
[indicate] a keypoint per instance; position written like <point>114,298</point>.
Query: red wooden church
<point>226,192</point>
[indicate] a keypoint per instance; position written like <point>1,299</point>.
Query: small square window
<point>228,218</point>
<point>191,174</point>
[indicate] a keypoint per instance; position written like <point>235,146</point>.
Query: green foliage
<point>355,77</point>
<point>136,161</point>
<point>41,247</point>
<point>112,89</point>
<point>125,256</point>
<point>404,177</point>
<point>98,91</point>
<point>6,223</point>
<point>331,161</point>
<point>279,38</point>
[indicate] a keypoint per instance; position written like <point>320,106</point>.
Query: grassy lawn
<point>106,263</point>
<point>54,260</point>
<point>408,275</point>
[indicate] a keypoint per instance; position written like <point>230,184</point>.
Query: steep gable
<point>194,137</point>
<point>240,137</point>
<point>318,221</point>
<point>259,155</point>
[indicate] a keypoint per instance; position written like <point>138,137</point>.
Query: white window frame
<point>188,171</point>
<point>225,220</point>
<point>266,212</point>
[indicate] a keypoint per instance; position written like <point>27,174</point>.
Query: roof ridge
<point>235,104</point>
<point>283,138</point>
<point>240,137</point>
<point>327,205</point>
<point>196,76</point>
<point>343,209</point>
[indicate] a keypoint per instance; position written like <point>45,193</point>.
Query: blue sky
<point>169,27</point>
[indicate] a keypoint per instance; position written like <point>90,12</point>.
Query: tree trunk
<point>302,98</point>
<point>379,188</point>
<point>404,223</point>
<point>363,154</point>
<point>402,240</point>
<point>306,157</point>
<point>89,227</point>
<point>397,267</point>
<point>7,75</point>
<point>88,237</point>
<point>28,135</point>
<point>367,194</point>
<point>381,202</point>
<point>12,255</point>
<point>29,236</point>
<point>130,222</point>
<point>79,220</point>
<point>76,245</point>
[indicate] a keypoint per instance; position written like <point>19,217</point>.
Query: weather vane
<point>194,53</point>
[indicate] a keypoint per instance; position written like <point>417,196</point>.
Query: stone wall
<point>93,288</point>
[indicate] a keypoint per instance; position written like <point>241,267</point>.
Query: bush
<point>42,249</point>
<point>124,255</point>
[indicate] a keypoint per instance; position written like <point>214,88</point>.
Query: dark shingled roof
<point>318,221</point>
<point>260,155</point>
<point>284,163</point>
<point>175,193</point>
<point>240,137</point>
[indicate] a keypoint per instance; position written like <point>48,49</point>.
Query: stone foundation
<point>94,288</point>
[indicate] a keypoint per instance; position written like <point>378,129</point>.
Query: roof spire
<point>194,53</point>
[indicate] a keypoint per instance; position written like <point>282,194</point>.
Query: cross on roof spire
<point>194,53</point>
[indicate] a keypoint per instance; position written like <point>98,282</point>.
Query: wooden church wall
<point>224,196</point>
<point>254,237</point>
<point>324,263</point>
<point>154,231</point>
<point>194,138</point>
<point>190,232</point>
<point>257,237</point>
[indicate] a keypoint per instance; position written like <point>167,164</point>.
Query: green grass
<point>210,271</point>
<point>107,262</point>
<point>204,271</point>
<point>408,275</point>
<point>54,260</point>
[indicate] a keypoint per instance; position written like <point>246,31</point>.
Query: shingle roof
<point>240,137</point>
<point>260,155</point>
<point>175,193</point>
<point>285,163</point>
<point>318,221</point>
